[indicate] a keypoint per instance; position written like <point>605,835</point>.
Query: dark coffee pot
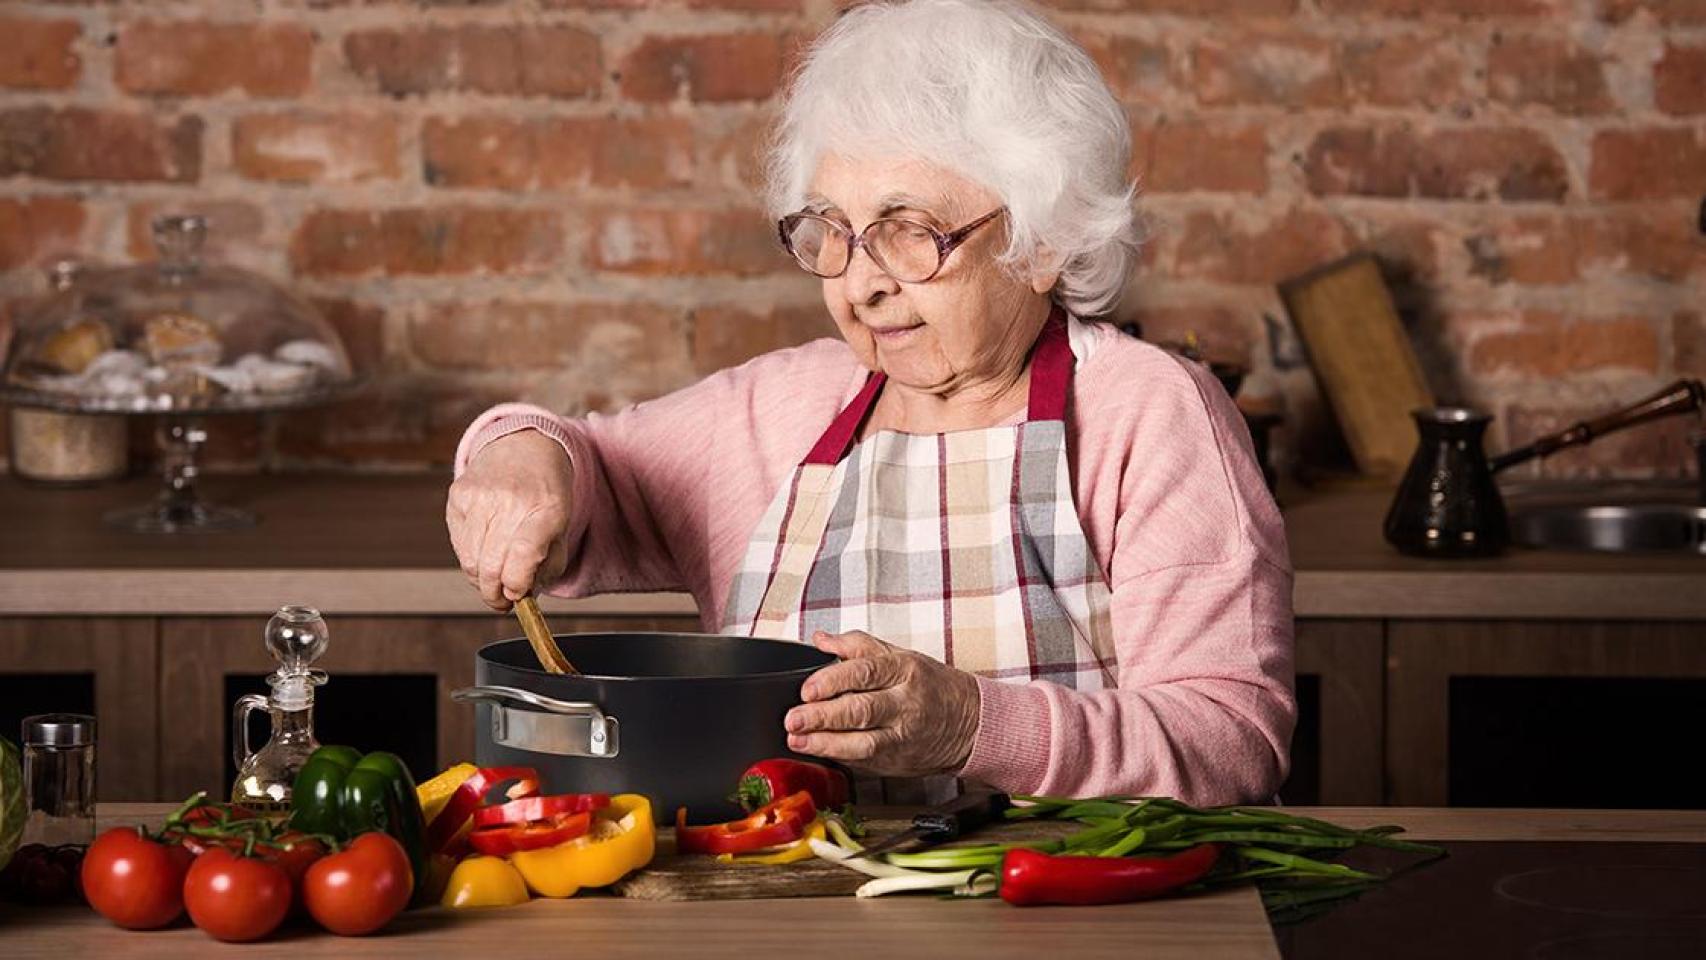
<point>1448,503</point>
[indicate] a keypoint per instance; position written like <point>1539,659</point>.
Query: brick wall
<point>554,199</point>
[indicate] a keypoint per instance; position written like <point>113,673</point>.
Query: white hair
<point>994,92</point>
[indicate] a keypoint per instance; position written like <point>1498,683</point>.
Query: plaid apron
<point>963,546</point>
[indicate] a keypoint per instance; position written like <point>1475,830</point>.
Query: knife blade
<point>948,822</point>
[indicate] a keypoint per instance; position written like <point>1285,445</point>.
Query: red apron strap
<point>838,439</point>
<point>1051,370</point>
<point>1051,378</point>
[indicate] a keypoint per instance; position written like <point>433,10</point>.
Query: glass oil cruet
<point>296,637</point>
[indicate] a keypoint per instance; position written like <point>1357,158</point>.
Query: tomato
<point>236,898</point>
<point>359,889</point>
<point>294,853</point>
<point>134,881</point>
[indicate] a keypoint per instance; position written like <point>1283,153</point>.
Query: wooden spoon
<point>539,636</point>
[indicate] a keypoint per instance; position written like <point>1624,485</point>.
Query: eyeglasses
<point>907,250</point>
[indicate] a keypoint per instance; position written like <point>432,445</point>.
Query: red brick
<point>361,327</point>
<point>749,6</point>
<point>38,53</point>
<point>235,229</point>
<point>39,229</point>
<point>1181,156</point>
<point>1688,343</point>
<point>547,336</point>
<point>1440,8</point>
<point>1665,11</point>
<point>1404,71</point>
<point>1262,68</point>
<point>1656,449</point>
<point>1137,70</point>
<point>195,58</point>
<point>81,144</point>
<point>1223,334</point>
<point>558,152</point>
<point>449,240</point>
<point>1648,164</point>
<point>707,69</point>
<point>1679,80</point>
<point>1532,250</point>
<point>1472,164</point>
<point>1408,251</point>
<point>510,60</point>
<point>1546,72</point>
<point>1232,249</point>
<point>1548,345</point>
<point>402,420</point>
<point>315,148</point>
<point>1659,245</point>
<point>729,336</point>
<point>736,153</point>
<point>686,241</point>
<point>1188,8</point>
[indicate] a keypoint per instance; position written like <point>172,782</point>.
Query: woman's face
<point>972,324</point>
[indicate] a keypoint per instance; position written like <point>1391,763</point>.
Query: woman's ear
<point>1046,272</point>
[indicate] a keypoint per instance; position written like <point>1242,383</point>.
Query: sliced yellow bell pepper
<point>435,793</point>
<point>484,882</point>
<point>800,849</point>
<point>622,839</point>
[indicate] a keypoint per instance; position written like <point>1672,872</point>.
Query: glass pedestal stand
<point>178,508</point>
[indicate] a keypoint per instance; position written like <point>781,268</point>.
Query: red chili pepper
<point>468,796</point>
<point>539,808</point>
<point>504,839</point>
<point>784,821</point>
<point>766,780</point>
<point>1029,877</point>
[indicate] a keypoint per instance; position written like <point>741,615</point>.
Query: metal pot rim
<point>737,679</point>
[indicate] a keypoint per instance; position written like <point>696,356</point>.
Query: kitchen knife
<point>949,822</point>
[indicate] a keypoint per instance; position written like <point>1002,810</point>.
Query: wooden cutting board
<point>673,876</point>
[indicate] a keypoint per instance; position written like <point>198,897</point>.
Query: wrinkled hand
<point>507,515</point>
<point>885,710</point>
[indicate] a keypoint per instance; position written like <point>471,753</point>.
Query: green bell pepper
<point>342,793</point>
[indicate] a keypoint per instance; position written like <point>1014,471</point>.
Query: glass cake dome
<point>171,337</point>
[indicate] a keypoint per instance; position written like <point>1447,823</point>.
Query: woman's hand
<point>507,515</point>
<point>885,710</point>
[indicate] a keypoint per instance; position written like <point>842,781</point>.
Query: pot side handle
<point>526,720</point>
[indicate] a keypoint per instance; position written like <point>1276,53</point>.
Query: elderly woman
<point>1041,549</point>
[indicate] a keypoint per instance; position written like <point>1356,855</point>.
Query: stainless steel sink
<point>1622,519</point>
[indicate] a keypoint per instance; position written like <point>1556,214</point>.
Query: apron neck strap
<point>1051,380</point>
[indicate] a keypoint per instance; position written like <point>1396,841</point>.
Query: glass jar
<point>59,776</point>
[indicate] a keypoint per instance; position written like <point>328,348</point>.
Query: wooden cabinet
<point>1603,714</point>
<point>1410,712</point>
<point>106,666</point>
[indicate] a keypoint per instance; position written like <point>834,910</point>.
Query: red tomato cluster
<point>239,891</point>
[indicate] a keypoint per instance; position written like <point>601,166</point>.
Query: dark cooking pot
<point>675,716</point>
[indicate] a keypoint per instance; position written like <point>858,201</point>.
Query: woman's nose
<point>865,280</point>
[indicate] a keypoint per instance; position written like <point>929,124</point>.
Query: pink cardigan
<point>667,493</point>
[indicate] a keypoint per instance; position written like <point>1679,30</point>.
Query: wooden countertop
<point>1229,924</point>
<point>376,545</point>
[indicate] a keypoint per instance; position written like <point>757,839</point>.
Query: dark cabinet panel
<point>105,666</point>
<point>1437,668</point>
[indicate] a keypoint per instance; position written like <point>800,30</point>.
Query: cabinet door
<point>101,666</point>
<point>1338,746</point>
<point>1545,713</point>
<point>391,679</point>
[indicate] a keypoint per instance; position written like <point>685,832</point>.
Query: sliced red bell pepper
<point>467,798</point>
<point>539,808</point>
<point>783,821</point>
<point>503,839</point>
